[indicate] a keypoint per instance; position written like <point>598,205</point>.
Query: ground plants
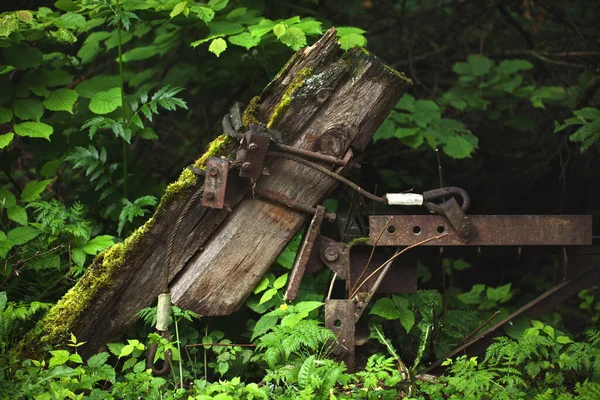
<point>104,102</point>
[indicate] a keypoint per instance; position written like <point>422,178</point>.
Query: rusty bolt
<point>210,195</point>
<point>213,171</point>
<point>252,147</point>
<point>331,254</point>
<point>246,166</point>
<point>465,231</point>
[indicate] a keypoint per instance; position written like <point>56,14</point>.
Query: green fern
<point>57,219</point>
<point>136,209</point>
<point>96,169</point>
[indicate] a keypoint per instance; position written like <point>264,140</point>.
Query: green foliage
<point>588,132</point>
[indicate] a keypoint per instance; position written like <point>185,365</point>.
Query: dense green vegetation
<point>104,102</point>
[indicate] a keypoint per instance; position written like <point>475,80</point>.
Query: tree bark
<point>320,101</point>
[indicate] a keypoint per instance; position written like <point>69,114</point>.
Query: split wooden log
<point>322,101</point>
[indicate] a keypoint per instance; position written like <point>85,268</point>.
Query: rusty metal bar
<point>535,308</point>
<point>304,253</point>
<point>492,230</point>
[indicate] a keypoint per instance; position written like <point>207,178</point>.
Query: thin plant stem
<point>123,111</point>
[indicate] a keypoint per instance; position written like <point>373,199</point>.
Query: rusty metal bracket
<point>252,152</point>
<point>215,182</point>
<point>304,253</point>
<point>458,219</point>
<point>339,317</point>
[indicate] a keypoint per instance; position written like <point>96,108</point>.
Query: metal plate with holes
<point>492,230</point>
<point>256,146</point>
<point>339,317</point>
<point>215,182</point>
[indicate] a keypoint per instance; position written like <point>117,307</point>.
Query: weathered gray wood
<point>319,102</point>
<point>338,103</point>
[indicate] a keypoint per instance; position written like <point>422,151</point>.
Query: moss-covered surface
<point>249,115</point>
<point>62,319</point>
<point>358,241</point>
<point>288,95</point>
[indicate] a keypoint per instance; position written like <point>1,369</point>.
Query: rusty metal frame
<point>492,230</point>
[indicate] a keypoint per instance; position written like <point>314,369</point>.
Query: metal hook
<point>152,348</point>
<point>431,195</point>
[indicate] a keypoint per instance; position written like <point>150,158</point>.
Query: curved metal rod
<point>431,195</point>
<point>166,367</point>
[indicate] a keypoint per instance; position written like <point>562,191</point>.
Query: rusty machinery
<point>447,227</point>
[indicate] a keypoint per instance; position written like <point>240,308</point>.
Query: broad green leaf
<point>500,294</point>
<point>287,256</point>
<point>6,115</point>
<point>178,9</point>
<point>59,357</point>
<point>17,214</point>
<point>66,5</point>
<point>459,146</point>
<point>24,16</point>
<point>202,12</point>
<point>507,67</point>
<point>294,38</point>
<point>217,46</point>
<point>19,236</point>
<point>5,246</point>
<point>56,77</point>
<point>349,30</point>
<point>6,139</point>
<point>33,190</point>
<point>385,308</point>
<point>97,360</point>
<point>78,256</point>
<point>262,28</point>
<point>407,102</point>
<point>140,53</point>
<point>473,296</point>
<point>307,306</point>
<point>265,323</point>
<point>70,20</point>
<point>462,68</point>
<point>244,39</point>
<point>98,244</point>
<point>588,113</point>
<point>106,102</point>
<point>23,56</point>
<point>426,111</point>
<point>310,26</point>
<point>280,282</point>
<point>352,40</point>
<point>148,134</point>
<point>262,285</point>
<point>61,100</point>
<point>49,169</point>
<point>218,5</point>
<point>563,340</point>
<point>8,25</point>
<point>34,129</point>
<point>28,109</point>
<point>90,87</point>
<point>268,295</point>
<point>480,65</point>
<point>64,35</point>
<point>7,199</point>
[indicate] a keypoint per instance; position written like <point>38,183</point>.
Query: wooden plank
<point>319,102</point>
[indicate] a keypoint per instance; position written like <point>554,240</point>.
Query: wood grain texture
<point>339,104</point>
<point>322,101</point>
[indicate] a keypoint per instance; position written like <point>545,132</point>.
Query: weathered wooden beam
<point>322,101</point>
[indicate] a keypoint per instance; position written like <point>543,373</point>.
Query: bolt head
<point>252,147</point>
<point>465,231</point>
<point>331,254</point>
<point>213,171</point>
<point>210,195</point>
<point>246,166</point>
